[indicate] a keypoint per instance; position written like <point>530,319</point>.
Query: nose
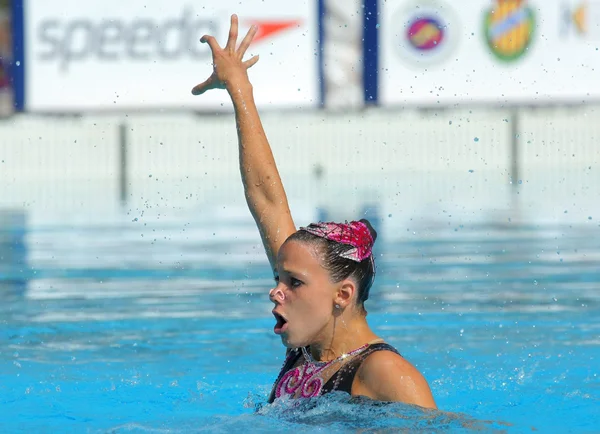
<point>276,295</point>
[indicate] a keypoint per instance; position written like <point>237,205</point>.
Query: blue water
<point>165,326</point>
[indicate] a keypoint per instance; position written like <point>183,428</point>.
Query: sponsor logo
<point>581,19</point>
<point>426,32</point>
<point>67,42</point>
<point>267,28</point>
<point>509,28</point>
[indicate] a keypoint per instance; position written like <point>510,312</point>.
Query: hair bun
<point>370,227</point>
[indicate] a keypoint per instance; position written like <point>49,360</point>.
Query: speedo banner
<point>139,54</point>
<point>506,52</point>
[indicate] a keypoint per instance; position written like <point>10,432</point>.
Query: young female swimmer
<point>323,272</point>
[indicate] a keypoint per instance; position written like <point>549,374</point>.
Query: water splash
<point>340,412</point>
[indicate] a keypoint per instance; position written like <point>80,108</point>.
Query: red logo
<point>267,27</point>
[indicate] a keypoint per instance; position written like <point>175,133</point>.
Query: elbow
<point>263,195</point>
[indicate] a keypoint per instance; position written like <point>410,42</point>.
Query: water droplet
<point>377,26</point>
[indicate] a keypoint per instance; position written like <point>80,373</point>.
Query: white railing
<point>475,163</point>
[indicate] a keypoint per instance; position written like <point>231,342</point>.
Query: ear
<point>345,293</point>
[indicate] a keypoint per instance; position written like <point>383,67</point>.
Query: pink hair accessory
<point>354,233</point>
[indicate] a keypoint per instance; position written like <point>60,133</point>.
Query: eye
<point>295,282</point>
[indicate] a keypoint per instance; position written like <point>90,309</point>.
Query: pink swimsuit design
<point>307,377</point>
<point>304,378</point>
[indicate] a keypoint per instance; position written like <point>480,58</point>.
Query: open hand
<point>227,62</point>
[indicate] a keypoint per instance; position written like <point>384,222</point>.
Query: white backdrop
<point>107,54</point>
<point>561,62</point>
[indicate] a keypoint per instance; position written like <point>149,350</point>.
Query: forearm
<point>257,166</point>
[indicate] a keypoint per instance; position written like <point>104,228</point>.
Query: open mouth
<point>281,325</point>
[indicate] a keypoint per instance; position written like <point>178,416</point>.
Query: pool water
<point>155,325</point>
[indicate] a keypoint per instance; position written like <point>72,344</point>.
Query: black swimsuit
<point>305,380</point>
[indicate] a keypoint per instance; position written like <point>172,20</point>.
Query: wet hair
<point>340,268</point>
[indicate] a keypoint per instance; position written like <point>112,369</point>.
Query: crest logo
<point>582,20</point>
<point>426,32</point>
<point>509,28</point>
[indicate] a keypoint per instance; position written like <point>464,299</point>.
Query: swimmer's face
<point>303,297</point>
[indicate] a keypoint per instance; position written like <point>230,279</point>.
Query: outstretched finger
<point>251,62</point>
<point>247,41</point>
<point>211,41</point>
<point>199,89</point>
<point>233,34</point>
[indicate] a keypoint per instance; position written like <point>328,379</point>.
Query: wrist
<point>238,84</point>
<point>240,92</point>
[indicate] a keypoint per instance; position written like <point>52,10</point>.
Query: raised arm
<point>263,188</point>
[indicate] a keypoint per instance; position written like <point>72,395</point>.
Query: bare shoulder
<point>387,376</point>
